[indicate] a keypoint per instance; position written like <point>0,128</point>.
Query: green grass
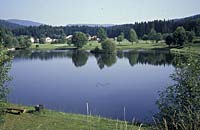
<point>48,46</point>
<point>192,49</point>
<point>188,48</point>
<point>52,120</point>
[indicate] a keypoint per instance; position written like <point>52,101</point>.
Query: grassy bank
<point>51,120</point>
<point>92,44</point>
<point>190,48</point>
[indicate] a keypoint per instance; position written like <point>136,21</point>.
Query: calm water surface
<point>67,80</point>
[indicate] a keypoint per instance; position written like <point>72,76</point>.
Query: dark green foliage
<point>190,36</point>
<point>179,36</point>
<point>120,38</point>
<point>42,40</point>
<point>24,41</point>
<point>152,34</point>
<point>79,58</point>
<point>145,37</point>
<point>133,36</point>
<point>79,39</point>
<point>169,39</point>
<point>141,28</point>
<point>4,78</point>
<point>8,40</point>
<point>108,46</point>
<point>158,37</point>
<point>102,34</point>
<point>179,104</point>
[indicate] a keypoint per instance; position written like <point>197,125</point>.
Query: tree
<point>24,41</point>
<point>179,104</point>
<point>190,36</point>
<point>120,38</point>
<point>79,39</point>
<point>42,40</point>
<point>145,37</point>
<point>133,36</point>
<point>4,78</point>
<point>108,46</point>
<point>158,37</point>
<point>152,34</point>
<point>169,39</point>
<point>101,34</point>
<point>179,36</point>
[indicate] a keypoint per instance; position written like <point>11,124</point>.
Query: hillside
<point>24,22</point>
<point>8,25</point>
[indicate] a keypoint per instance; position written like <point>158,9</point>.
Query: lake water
<point>67,80</point>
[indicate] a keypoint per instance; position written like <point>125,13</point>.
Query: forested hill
<point>8,25</point>
<point>161,26</point>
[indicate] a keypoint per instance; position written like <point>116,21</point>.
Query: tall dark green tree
<point>169,39</point>
<point>180,36</point>
<point>158,37</point>
<point>133,36</point>
<point>120,38</point>
<point>79,39</point>
<point>101,34</point>
<point>190,36</point>
<point>152,35</point>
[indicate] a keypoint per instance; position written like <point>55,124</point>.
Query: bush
<point>179,104</point>
<point>108,46</point>
<point>79,39</point>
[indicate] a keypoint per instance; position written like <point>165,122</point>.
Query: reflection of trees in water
<point>149,57</point>
<point>42,55</point>
<point>105,59</point>
<point>79,58</point>
<point>179,104</point>
<point>152,57</point>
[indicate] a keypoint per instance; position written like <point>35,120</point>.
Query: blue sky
<point>62,12</point>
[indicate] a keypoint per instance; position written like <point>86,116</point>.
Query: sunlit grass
<point>51,120</point>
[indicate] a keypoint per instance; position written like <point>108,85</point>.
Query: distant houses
<point>50,40</point>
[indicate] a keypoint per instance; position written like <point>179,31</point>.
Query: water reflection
<point>79,58</point>
<point>74,78</point>
<point>105,60</point>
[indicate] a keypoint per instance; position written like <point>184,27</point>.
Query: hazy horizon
<point>65,12</point>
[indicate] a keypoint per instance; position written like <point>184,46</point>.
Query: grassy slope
<point>51,120</point>
<point>195,49</point>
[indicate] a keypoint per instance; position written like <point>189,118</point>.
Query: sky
<point>63,12</point>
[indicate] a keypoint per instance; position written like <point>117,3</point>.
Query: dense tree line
<point>142,28</point>
<point>7,39</point>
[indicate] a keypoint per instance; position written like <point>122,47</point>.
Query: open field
<point>51,120</point>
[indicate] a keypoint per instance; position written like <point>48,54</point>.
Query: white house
<point>32,39</point>
<point>48,40</point>
<point>69,37</point>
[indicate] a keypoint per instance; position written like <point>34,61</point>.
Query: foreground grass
<point>51,120</point>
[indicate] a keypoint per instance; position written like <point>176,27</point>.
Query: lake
<point>65,80</point>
